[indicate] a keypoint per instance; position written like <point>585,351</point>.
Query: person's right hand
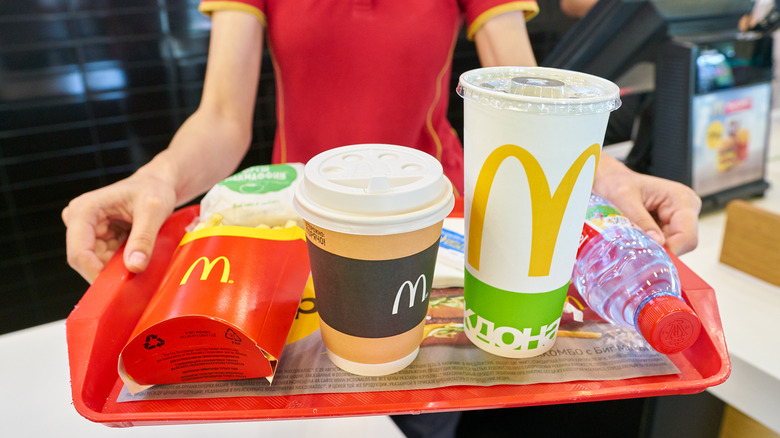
<point>207,148</point>
<point>98,222</point>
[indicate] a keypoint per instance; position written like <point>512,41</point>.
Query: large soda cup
<point>532,142</point>
<point>373,216</point>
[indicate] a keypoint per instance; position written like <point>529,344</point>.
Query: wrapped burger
<point>257,196</point>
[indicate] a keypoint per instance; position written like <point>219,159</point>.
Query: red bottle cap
<point>668,324</point>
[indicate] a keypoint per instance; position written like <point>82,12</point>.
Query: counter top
<point>36,401</point>
<point>748,307</point>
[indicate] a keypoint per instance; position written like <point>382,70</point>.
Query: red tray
<point>102,322</point>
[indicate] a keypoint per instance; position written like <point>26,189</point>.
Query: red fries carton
<point>223,309</point>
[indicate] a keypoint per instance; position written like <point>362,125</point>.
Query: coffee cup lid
<point>373,189</point>
<point>539,90</point>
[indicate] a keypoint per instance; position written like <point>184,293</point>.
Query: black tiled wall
<point>89,91</point>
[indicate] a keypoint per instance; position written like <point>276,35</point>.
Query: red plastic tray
<point>101,324</point>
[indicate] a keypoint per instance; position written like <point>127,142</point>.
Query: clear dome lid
<point>539,90</point>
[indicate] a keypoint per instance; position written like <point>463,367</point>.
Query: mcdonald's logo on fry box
<point>532,142</point>
<point>208,265</point>
<point>223,310</point>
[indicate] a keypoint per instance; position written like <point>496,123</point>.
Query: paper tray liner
<point>111,305</point>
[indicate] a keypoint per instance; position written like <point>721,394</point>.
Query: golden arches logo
<point>546,209</point>
<point>412,292</point>
<point>208,265</point>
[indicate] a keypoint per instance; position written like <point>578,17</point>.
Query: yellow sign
<point>207,267</point>
<point>546,210</point>
<point>714,135</point>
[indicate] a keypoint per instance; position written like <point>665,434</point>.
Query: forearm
<point>207,148</point>
<point>211,143</point>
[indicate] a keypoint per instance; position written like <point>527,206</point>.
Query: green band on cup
<point>511,323</point>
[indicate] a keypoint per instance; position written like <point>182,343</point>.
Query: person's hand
<point>98,222</point>
<point>666,210</point>
<point>135,208</point>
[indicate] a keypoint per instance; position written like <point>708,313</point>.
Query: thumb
<point>143,234</point>
<point>642,219</point>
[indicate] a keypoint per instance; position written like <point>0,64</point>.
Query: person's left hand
<point>666,210</point>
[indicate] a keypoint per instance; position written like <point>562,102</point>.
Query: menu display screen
<point>730,131</point>
<point>726,64</point>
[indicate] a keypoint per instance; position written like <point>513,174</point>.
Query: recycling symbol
<point>152,341</point>
<point>233,336</point>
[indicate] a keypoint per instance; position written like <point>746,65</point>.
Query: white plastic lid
<point>373,189</point>
<point>539,90</point>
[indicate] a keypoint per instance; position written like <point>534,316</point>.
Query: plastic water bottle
<point>628,279</point>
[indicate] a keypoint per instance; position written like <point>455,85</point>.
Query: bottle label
<point>588,232</point>
<point>600,215</point>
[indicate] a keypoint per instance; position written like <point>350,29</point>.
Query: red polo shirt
<point>366,71</point>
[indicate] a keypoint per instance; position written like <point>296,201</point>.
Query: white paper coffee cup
<point>373,215</point>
